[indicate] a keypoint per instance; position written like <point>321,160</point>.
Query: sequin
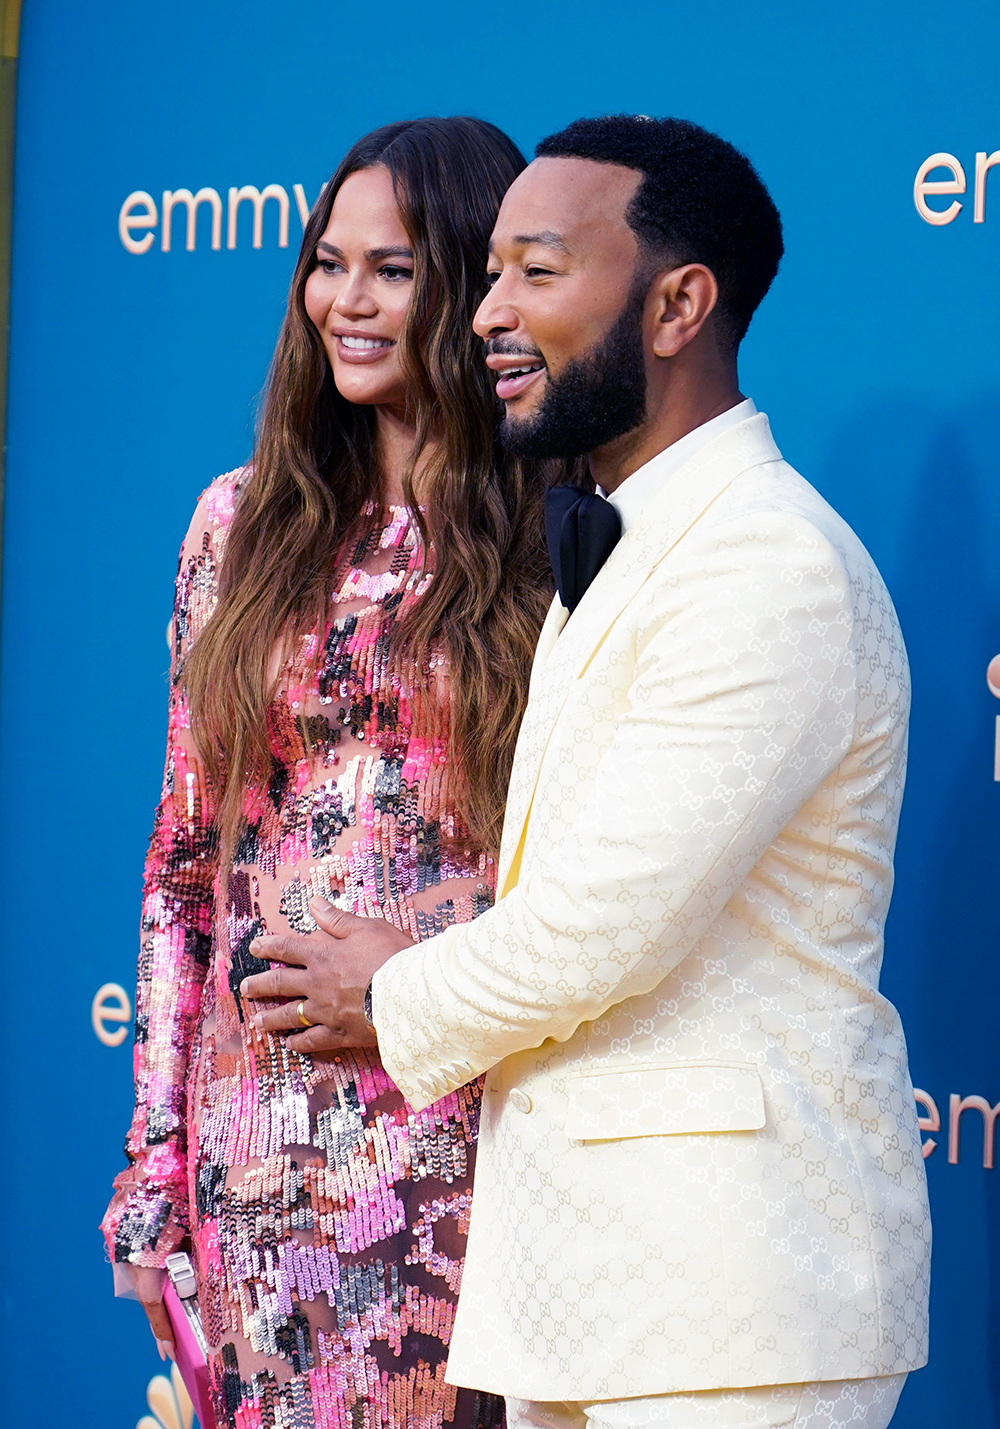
<point>327,1219</point>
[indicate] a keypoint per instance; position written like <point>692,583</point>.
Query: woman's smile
<point>362,347</point>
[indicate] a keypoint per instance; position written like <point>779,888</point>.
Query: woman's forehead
<point>366,206</point>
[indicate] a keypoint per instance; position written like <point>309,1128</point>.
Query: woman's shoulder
<point>213,515</point>
<point>216,504</point>
<point>201,555</point>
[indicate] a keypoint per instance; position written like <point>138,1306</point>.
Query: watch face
<point>368,1005</point>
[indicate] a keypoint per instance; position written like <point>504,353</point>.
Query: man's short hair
<point>700,201</point>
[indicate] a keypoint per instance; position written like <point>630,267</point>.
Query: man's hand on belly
<point>324,979</point>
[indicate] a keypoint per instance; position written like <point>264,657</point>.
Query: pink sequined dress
<point>326,1219</point>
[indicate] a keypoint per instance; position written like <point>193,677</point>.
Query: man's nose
<point>494,314</point>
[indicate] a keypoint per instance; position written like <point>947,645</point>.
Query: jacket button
<point>520,1101</point>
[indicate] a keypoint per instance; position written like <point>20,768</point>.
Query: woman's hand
<point>326,976</point>
<point>148,1285</point>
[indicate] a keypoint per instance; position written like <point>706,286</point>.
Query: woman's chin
<point>366,388</point>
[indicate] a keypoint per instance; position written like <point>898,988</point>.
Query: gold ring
<point>302,1015</point>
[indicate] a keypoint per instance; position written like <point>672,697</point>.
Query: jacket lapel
<point>555,620</point>
<point>567,646</point>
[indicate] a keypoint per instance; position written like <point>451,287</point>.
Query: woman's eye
<point>491,278</point>
<point>394,273</point>
<point>328,265</point>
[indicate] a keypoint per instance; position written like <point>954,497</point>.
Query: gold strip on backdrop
<point>10,27</point>
<point>10,23</point>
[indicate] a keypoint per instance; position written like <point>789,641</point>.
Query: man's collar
<point>635,490</point>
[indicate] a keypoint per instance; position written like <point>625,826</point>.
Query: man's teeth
<point>519,371</point>
<point>366,344</point>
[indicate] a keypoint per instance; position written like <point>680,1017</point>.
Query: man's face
<point>563,319</point>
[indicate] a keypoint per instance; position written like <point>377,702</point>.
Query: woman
<point>355,617</point>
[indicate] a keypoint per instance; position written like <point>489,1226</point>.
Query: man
<point>700,1195</point>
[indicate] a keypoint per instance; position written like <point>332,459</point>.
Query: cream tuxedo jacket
<point>699,1163</point>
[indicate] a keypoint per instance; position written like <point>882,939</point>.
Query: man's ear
<point>678,304</point>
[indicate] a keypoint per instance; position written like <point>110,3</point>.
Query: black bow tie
<point>581,530</point>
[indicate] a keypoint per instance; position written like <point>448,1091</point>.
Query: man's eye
<point>534,271</point>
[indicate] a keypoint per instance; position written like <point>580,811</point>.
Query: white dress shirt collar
<point>635,490</point>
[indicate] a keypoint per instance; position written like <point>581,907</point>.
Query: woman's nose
<point>354,299</point>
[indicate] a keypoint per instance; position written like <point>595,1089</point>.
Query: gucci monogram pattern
<point>695,873</point>
<point>662,1100</point>
<point>828,1404</point>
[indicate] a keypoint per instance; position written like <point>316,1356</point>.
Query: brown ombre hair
<point>315,467</point>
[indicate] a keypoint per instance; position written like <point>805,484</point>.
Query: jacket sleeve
<point>148,1215</point>
<point>740,703</point>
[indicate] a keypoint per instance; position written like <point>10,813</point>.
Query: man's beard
<point>597,398</point>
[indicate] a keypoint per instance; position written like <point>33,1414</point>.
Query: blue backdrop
<point>133,381</point>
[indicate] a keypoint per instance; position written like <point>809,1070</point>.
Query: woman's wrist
<point>138,1282</point>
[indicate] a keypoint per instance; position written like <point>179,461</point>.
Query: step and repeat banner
<point>167,157</point>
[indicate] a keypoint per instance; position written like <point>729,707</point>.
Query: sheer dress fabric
<point>326,1219</point>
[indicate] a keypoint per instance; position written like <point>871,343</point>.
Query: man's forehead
<point>560,197</point>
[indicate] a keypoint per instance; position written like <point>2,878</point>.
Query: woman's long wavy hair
<point>316,466</point>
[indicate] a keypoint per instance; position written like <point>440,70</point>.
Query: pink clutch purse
<point>181,1302</point>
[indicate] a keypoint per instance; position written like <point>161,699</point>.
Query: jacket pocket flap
<point>665,1100</point>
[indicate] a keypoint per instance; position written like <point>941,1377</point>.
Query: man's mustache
<point>509,347</point>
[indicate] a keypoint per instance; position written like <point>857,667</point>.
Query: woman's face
<point>360,290</point>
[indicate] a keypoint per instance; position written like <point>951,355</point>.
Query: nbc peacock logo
<point>169,1403</point>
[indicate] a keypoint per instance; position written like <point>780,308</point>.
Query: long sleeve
<point>148,1215</point>
<point>741,702</point>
